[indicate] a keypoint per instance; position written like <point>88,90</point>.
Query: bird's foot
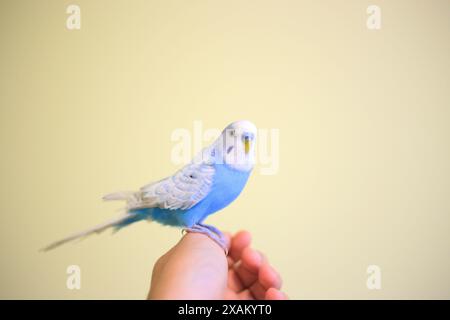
<point>213,229</point>
<point>212,232</point>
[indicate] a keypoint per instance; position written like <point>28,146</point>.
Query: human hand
<point>196,268</point>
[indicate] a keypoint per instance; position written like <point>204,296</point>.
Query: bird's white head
<point>236,145</point>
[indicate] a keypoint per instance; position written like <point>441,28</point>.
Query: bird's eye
<point>232,132</point>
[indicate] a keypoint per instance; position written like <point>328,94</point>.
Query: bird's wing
<point>183,190</point>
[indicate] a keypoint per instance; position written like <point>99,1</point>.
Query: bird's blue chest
<point>227,185</point>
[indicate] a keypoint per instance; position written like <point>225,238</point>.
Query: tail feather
<point>121,195</point>
<point>97,229</point>
<point>131,197</point>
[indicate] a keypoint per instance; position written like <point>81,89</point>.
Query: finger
<point>239,242</point>
<point>234,282</point>
<point>258,291</point>
<point>264,257</point>
<point>248,269</point>
<point>230,262</point>
<point>251,259</point>
<point>268,277</point>
<point>275,294</point>
<point>245,295</point>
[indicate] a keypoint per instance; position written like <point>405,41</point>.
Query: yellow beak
<point>247,146</point>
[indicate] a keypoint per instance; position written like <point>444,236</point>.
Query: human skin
<point>197,268</point>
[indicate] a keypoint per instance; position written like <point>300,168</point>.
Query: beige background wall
<point>363,116</point>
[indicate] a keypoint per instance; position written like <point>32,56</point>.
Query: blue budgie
<point>213,180</point>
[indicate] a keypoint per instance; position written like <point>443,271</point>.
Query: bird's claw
<point>210,231</point>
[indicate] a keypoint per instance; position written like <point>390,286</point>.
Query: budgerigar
<point>213,180</point>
